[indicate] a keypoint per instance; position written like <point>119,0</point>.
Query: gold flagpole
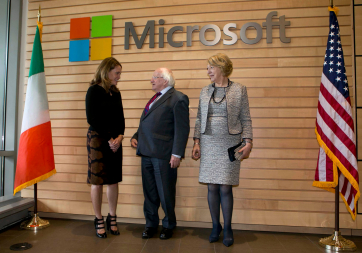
<point>36,223</point>
<point>39,13</point>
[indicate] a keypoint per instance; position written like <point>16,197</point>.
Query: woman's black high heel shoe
<point>109,225</point>
<point>230,240</point>
<point>215,235</point>
<point>99,224</point>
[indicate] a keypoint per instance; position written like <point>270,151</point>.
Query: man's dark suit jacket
<point>164,130</point>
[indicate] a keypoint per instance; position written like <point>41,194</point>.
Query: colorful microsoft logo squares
<point>99,48</point>
<point>79,28</point>
<point>79,50</point>
<point>102,26</point>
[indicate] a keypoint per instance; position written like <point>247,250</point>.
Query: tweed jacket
<point>238,113</point>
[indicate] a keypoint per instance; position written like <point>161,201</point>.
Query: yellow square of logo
<point>101,48</point>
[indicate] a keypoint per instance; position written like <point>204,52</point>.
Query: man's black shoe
<point>166,233</point>
<point>149,233</point>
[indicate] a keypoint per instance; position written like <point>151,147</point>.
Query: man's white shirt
<point>162,93</point>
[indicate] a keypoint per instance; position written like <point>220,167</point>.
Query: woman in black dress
<point>104,141</point>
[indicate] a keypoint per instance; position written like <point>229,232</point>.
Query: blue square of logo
<point>79,50</point>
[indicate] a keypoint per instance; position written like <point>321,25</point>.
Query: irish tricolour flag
<point>35,156</point>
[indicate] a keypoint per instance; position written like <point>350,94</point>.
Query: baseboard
<point>251,227</point>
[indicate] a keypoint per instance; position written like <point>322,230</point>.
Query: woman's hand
<point>114,144</point>
<point>245,151</point>
<point>196,153</point>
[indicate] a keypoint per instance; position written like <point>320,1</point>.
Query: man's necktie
<point>151,101</point>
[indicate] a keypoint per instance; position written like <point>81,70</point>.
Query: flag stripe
<point>36,63</point>
<point>36,110</point>
<point>35,154</point>
<point>329,164</point>
<point>341,182</point>
<point>351,206</point>
<point>322,173</point>
<point>322,162</point>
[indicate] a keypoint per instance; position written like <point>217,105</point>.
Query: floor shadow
<point>85,228</point>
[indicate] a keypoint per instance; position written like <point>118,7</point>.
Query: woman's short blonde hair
<point>101,75</point>
<point>223,62</point>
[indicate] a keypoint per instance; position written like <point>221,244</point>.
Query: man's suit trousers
<point>159,186</point>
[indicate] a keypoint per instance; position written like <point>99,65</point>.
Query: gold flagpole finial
<point>40,24</point>
<point>333,8</point>
<point>39,14</point>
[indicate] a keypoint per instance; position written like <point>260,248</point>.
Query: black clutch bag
<point>234,151</point>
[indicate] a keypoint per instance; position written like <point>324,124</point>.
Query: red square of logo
<point>80,28</point>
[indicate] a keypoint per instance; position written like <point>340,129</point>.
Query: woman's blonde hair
<point>101,75</point>
<point>223,62</point>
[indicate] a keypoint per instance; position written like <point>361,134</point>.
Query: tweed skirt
<point>215,166</point>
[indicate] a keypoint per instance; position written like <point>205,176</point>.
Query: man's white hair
<point>168,76</point>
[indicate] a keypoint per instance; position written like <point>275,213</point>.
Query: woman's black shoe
<point>228,241</point>
<point>228,238</point>
<point>215,233</point>
<point>99,224</point>
<point>109,225</point>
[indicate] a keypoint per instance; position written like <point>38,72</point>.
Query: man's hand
<point>175,162</point>
<point>134,143</point>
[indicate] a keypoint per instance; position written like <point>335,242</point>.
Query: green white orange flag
<point>35,157</point>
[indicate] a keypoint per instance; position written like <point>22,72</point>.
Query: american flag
<point>334,126</point>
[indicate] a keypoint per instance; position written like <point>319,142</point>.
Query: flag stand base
<point>336,242</point>
<point>35,223</point>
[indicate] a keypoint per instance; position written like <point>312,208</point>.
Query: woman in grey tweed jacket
<point>223,120</point>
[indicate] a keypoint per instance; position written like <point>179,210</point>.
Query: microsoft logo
<point>80,32</point>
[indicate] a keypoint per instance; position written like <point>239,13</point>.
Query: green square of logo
<point>102,26</point>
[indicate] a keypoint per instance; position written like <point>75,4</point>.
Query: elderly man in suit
<point>161,141</point>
